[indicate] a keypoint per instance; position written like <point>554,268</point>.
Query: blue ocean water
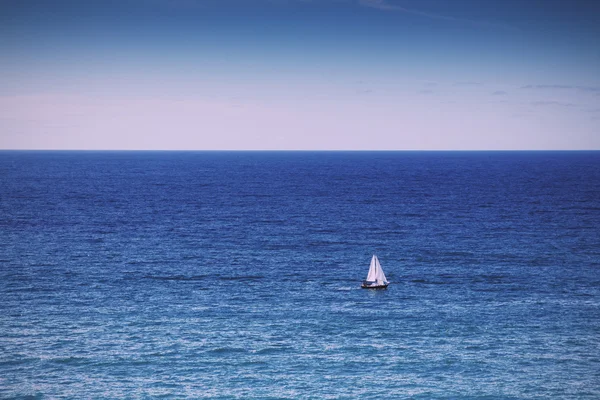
<point>237,275</point>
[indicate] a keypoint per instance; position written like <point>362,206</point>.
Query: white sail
<point>380,276</point>
<point>372,275</point>
<point>375,278</point>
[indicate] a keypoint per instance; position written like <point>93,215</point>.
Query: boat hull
<point>374,286</point>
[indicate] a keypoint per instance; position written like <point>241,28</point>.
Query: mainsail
<point>375,272</point>
<point>372,275</point>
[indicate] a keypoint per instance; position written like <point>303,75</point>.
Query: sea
<point>236,275</point>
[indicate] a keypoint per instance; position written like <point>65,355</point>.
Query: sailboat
<point>375,278</point>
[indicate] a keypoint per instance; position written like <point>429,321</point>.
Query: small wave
<point>459,254</point>
<point>103,232</point>
<point>323,230</point>
<point>227,350</point>
<point>280,246</point>
<point>37,396</point>
<point>18,361</point>
<point>428,282</point>
<point>272,350</point>
<point>253,363</point>
<point>30,289</point>
<point>269,221</point>
<point>242,278</point>
<point>178,278</point>
<point>412,215</point>
<point>69,360</point>
<point>255,195</point>
<point>200,308</point>
<point>321,243</point>
<point>493,277</point>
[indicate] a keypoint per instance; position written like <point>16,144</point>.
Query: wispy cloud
<point>543,103</point>
<point>547,87</point>
<point>176,4</point>
<point>386,5</point>
<point>499,93</point>
<point>592,89</point>
<point>382,5</point>
<point>467,83</point>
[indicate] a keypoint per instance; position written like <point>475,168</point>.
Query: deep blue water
<point>237,275</point>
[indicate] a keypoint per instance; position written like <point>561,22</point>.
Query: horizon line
<point>297,150</point>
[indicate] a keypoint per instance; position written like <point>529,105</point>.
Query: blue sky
<point>299,74</point>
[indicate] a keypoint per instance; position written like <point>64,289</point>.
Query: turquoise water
<point>237,275</point>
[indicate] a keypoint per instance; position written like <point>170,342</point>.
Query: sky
<point>300,74</point>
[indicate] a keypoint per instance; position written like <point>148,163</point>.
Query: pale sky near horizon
<point>299,74</point>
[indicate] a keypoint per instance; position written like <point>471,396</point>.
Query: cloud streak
<point>467,83</point>
<point>385,5</point>
<point>589,89</point>
<point>542,103</point>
